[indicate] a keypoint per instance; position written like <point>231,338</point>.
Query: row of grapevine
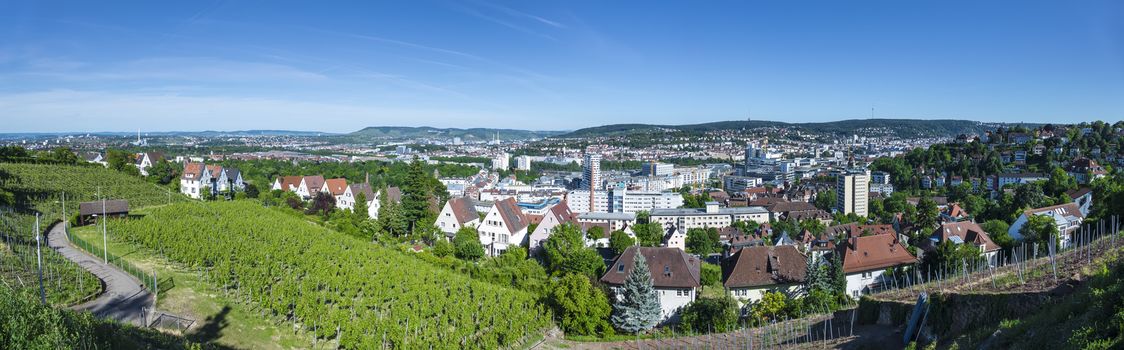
<point>338,287</point>
<point>43,188</point>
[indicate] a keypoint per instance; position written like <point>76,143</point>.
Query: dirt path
<point>123,298</point>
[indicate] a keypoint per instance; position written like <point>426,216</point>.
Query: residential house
<point>557,215</point>
<point>146,160</point>
<point>287,183</point>
<point>1086,170</point>
<point>752,271</point>
<point>675,276</point>
<point>1067,217</point>
<point>457,213</point>
<point>866,258</point>
<point>953,213</point>
<point>1083,197</point>
<point>675,238</point>
<point>309,186</point>
<point>335,187</point>
<point>965,232</point>
<point>193,179</point>
<point>503,226</point>
<point>351,195</point>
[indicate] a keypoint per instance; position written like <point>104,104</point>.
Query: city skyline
<point>71,66</point>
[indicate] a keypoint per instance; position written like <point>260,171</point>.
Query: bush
<point>711,274</point>
<point>711,314</point>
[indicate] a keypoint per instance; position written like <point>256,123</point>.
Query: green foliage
<point>695,201</point>
<point>711,314</point>
<point>637,306</point>
<point>950,257</point>
<point>122,161</point>
<point>443,248</point>
<point>998,230</point>
<point>1039,229</point>
<point>40,188</point>
<point>703,241</point>
<point>825,200</point>
<point>926,216</point>
<point>467,245</point>
<point>164,172</point>
<point>619,241</point>
<point>322,280</point>
<point>649,235</point>
<point>565,252</point>
<point>771,307</point>
<point>710,275</point>
<point>26,324</point>
<point>595,233</point>
<point>581,308</point>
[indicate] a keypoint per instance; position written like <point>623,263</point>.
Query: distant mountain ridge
<point>915,127</point>
<point>471,134</point>
<point>205,133</point>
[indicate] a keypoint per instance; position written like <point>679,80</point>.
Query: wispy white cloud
<point>517,13</point>
<point>502,22</point>
<point>202,69</point>
<point>69,110</point>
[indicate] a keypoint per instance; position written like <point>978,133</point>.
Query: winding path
<point>123,299</point>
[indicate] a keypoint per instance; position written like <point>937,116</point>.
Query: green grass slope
<point>338,287</point>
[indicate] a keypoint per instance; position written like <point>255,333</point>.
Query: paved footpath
<point>124,299</point>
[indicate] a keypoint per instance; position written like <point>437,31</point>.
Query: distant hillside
<point>913,127</point>
<point>473,134</point>
<point>206,133</point>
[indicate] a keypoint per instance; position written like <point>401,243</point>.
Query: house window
<point>867,274</point>
<point>682,292</point>
<point>620,267</point>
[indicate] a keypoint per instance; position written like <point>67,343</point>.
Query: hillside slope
<point>334,285</point>
<point>923,128</point>
<point>472,134</point>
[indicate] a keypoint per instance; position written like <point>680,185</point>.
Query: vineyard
<point>42,188</point>
<point>340,288</point>
<point>25,324</point>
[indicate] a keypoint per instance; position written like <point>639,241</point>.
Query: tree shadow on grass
<point>212,327</point>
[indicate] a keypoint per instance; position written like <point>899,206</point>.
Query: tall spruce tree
<point>637,307</point>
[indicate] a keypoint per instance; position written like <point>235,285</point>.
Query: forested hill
<point>903,127</point>
<point>472,134</point>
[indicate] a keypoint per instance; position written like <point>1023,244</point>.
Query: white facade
<point>623,201</point>
<point>591,172</point>
<point>672,299</point>
<point>501,161</point>
<point>523,163</point>
<point>858,283</point>
<point>747,295</point>
<point>851,195</point>
<point>495,235</point>
<point>712,216</point>
<point>448,223</point>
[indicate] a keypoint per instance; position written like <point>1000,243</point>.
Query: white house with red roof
<point>309,186</point>
<point>965,232</point>
<point>866,258</point>
<point>557,215</point>
<point>504,226</point>
<point>456,214</point>
<point>1067,217</point>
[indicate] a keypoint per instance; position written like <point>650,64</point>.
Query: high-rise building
<point>501,161</point>
<point>523,163</point>
<point>591,172</point>
<point>851,192</point>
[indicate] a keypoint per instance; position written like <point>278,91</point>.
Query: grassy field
<point>218,317</point>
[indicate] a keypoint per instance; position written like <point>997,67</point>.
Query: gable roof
<point>394,194</point>
<point>116,206</point>
<point>336,186</point>
<point>682,270</point>
<point>1078,193</point>
<point>968,231</point>
<point>784,207</point>
<point>1068,209</point>
<point>215,170</point>
<point>192,171</point>
<point>854,230</point>
<point>463,209</point>
<point>314,183</point>
<point>513,218</point>
<point>764,265</point>
<point>232,173</point>
<point>363,188</point>
<point>873,253</point>
<point>288,183</point>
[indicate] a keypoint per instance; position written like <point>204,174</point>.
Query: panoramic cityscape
<point>561,175</point>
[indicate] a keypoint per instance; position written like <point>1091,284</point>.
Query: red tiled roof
<point>873,253</point>
<point>336,186</point>
<point>968,231</point>
<point>513,217</point>
<point>764,265</point>
<point>463,209</point>
<point>670,267</point>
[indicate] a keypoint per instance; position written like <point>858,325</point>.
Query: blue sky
<point>550,65</point>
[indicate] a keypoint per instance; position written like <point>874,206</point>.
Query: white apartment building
<point>523,163</point>
<point>501,161</point>
<point>591,171</point>
<point>622,201</point>
<point>684,219</point>
<point>851,195</point>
